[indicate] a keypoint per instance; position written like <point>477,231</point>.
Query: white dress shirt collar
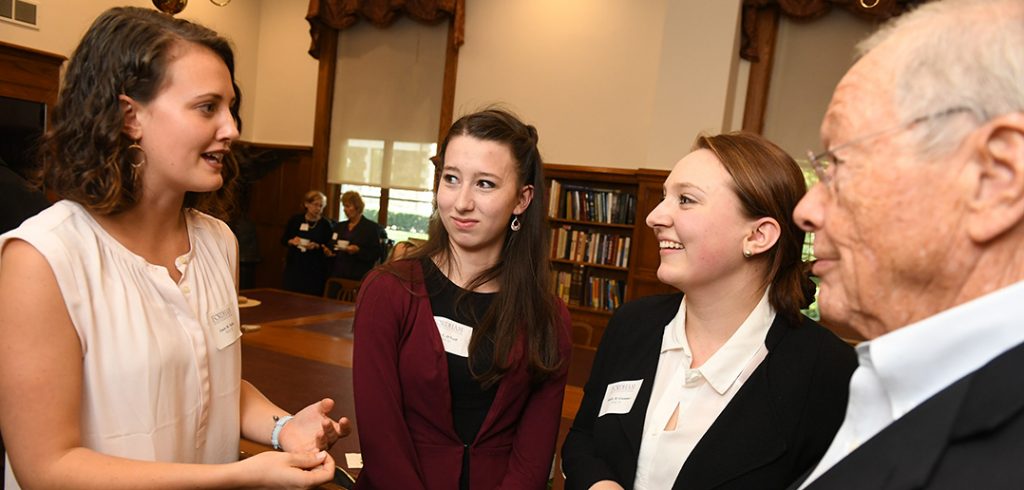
<point>724,367</point>
<point>902,369</point>
<point>917,361</point>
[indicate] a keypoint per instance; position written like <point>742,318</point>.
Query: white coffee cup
<point>341,245</point>
<point>303,243</point>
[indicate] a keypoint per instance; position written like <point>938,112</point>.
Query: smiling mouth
<point>214,157</point>
<point>670,245</point>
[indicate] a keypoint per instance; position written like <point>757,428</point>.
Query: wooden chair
<point>342,289</point>
<point>582,333</point>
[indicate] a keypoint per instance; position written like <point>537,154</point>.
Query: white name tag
<point>226,329</point>
<point>619,397</point>
<point>304,227</point>
<point>454,335</point>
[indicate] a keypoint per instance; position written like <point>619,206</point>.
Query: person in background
<point>306,235</point>
<point>119,330</point>
<point>725,384</point>
<point>461,350</point>
<point>356,240</point>
<point>918,222</point>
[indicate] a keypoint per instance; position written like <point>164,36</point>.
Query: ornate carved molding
<point>335,15</point>
<point>873,10</point>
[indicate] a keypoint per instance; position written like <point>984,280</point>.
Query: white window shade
<point>387,103</point>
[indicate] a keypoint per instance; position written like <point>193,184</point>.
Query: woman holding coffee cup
<point>305,235</point>
<point>356,240</point>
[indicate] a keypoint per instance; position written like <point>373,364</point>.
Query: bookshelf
<point>602,252</point>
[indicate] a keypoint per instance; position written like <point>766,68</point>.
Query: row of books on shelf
<point>581,203</point>
<point>593,292</point>
<point>586,246</point>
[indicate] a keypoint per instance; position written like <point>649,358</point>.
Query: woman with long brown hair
<point>725,384</point>
<point>461,349</point>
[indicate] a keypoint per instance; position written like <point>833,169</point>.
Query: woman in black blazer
<point>731,387</point>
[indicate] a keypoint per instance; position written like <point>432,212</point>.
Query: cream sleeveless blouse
<point>161,360</point>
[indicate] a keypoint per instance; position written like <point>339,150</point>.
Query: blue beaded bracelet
<point>278,424</point>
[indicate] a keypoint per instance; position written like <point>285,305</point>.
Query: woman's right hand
<point>295,241</point>
<point>273,469</point>
<point>606,485</point>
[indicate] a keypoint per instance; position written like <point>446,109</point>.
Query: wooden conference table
<point>303,353</point>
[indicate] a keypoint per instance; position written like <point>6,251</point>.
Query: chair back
<point>342,289</point>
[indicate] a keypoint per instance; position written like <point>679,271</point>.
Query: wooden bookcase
<point>603,254</point>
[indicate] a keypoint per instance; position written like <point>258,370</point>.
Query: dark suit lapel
<point>644,365</point>
<point>633,422</point>
<point>746,430</point>
<point>905,454</point>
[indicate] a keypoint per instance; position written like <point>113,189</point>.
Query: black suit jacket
<point>776,427</point>
<point>970,435</point>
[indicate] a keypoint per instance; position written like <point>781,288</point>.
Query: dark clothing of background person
<point>306,272</point>
<point>18,199</point>
<point>365,235</point>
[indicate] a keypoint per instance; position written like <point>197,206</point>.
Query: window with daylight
<point>384,122</point>
<point>808,253</point>
<point>395,179</point>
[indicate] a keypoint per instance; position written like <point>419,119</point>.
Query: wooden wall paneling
<point>29,74</point>
<point>273,198</point>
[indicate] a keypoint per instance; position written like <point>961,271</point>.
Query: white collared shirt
<point>701,393</point>
<point>904,368</point>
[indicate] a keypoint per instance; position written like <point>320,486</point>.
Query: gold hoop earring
<point>138,162</point>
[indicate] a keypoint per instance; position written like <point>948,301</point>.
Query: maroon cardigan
<point>403,400</point>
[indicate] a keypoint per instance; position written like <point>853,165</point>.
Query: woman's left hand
<point>312,429</point>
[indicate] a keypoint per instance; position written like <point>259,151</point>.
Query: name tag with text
<point>619,397</point>
<point>454,335</point>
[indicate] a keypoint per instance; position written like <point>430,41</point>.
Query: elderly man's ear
<point>997,204</point>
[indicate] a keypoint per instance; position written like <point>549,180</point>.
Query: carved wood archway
<point>760,25</point>
<point>328,17</point>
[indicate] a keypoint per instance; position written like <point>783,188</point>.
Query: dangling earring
<point>516,225</point>
<point>136,163</point>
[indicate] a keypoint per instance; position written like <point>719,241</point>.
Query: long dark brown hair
<point>84,154</point>
<point>524,307</point>
<point>768,182</point>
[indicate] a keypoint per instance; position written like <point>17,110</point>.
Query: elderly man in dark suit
<point>919,232</point>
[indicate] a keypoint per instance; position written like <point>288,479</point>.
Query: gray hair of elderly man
<point>952,54</point>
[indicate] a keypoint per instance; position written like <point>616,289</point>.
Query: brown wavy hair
<point>84,155</point>
<point>768,183</point>
<point>524,308</point>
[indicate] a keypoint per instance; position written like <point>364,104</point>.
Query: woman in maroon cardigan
<point>461,350</point>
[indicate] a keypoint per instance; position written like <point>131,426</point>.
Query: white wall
<point>605,82</point>
<point>285,101</point>
<point>282,112</point>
